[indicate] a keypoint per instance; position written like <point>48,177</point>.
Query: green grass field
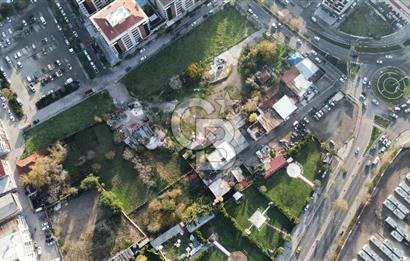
<point>67,123</point>
<point>375,135</point>
<point>253,200</point>
<point>118,175</point>
<point>289,194</point>
<point>231,239</point>
<point>364,21</point>
<point>209,39</point>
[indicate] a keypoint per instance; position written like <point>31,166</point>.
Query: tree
<point>252,117</point>
<point>274,8</point>
<point>250,83</point>
<point>263,189</point>
<point>117,136</point>
<point>250,105</point>
<point>73,191</point>
<point>90,182</point>
<point>341,204</point>
<point>96,167</point>
<point>46,169</point>
<point>141,258</point>
<point>317,183</point>
<point>194,71</point>
<point>266,51</point>
<point>127,154</point>
<point>109,200</point>
<point>296,23</point>
<point>6,92</point>
<point>194,211</point>
<point>110,155</point>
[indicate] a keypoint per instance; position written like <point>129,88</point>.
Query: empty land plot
<point>365,21</point>
<point>86,231</point>
<point>289,194</point>
<point>231,239</point>
<point>267,237</point>
<point>216,34</point>
<point>89,147</point>
<point>67,122</point>
<point>381,121</point>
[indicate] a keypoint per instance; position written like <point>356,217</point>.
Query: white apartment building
<point>171,9</point>
<point>122,25</point>
<point>88,7</point>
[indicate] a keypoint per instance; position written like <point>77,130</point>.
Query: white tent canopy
<point>284,107</point>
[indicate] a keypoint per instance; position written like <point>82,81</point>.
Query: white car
<point>375,102</point>
<point>388,56</point>
<point>317,38</point>
<point>143,58</point>
<point>379,61</point>
<point>24,22</point>
<point>39,251</point>
<point>356,152</point>
<point>365,80</point>
<point>314,19</point>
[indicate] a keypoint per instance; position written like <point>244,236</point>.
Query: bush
<point>262,189</point>
<point>110,201</point>
<point>15,106</point>
<point>90,182</point>
<point>96,167</point>
<point>73,191</point>
<point>66,90</point>
<point>110,155</point>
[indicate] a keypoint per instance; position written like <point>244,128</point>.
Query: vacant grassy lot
<point>290,194</point>
<point>86,231</point>
<point>366,22</point>
<point>89,147</point>
<point>381,121</point>
<point>66,123</point>
<point>253,200</point>
<point>209,39</point>
<point>231,239</point>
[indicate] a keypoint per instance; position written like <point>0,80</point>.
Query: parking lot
<point>373,218</point>
<point>36,56</point>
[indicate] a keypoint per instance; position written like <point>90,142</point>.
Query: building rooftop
<point>307,68</point>
<point>167,235</point>
<point>219,187</point>
<point>9,207</point>
<point>15,241</point>
<point>118,17</point>
<point>222,155</point>
<point>284,107</point>
<point>6,184</point>
<point>274,165</point>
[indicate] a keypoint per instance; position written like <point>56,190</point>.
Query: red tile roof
<point>2,170</point>
<point>274,165</point>
<point>24,164</point>
<point>136,15</point>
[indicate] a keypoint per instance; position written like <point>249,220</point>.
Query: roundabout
<point>392,85</point>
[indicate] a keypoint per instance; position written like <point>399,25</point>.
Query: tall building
<point>170,9</point>
<point>122,25</point>
<point>16,242</point>
<point>337,6</point>
<point>89,7</point>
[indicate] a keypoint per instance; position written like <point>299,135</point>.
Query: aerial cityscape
<point>204,130</point>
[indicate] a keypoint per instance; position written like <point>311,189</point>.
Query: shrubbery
<point>66,90</point>
<point>110,201</point>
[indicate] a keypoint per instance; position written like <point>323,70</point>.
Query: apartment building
<point>337,6</point>
<point>121,25</point>
<point>171,9</point>
<point>89,7</point>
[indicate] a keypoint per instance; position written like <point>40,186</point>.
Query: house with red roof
<point>24,165</point>
<point>275,165</point>
<point>122,25</point>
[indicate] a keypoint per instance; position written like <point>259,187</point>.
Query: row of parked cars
<point>325,109</point>
<point>391,15</point>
